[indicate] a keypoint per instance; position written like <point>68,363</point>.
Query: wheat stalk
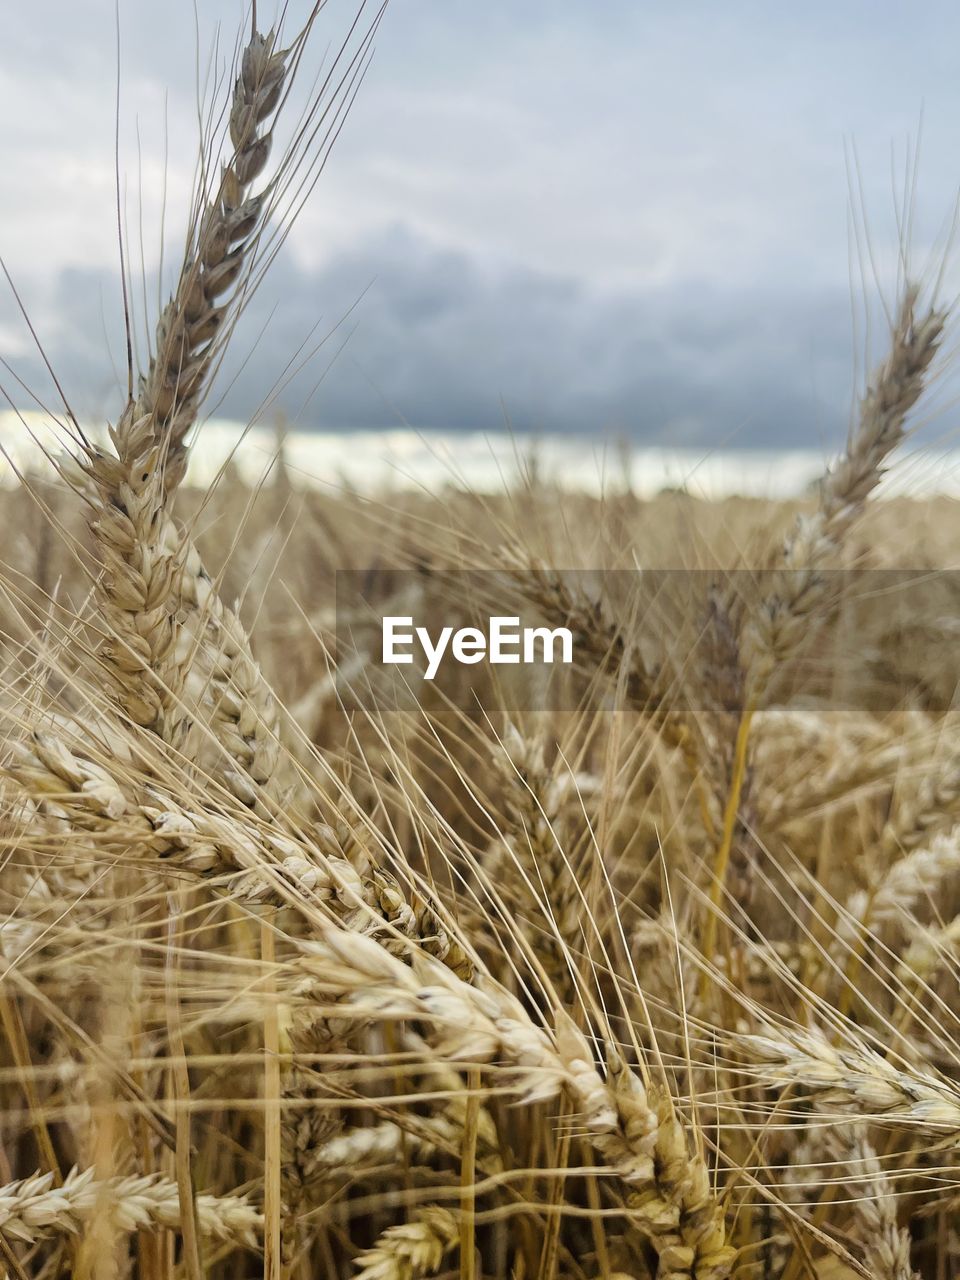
<point>636,1129</point>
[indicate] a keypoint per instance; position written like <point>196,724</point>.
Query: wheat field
<point>643,967</point>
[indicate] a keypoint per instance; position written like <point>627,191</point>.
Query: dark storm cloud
<point>398,331</point>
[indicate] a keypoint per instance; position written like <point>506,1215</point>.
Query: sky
<point>554,215</point>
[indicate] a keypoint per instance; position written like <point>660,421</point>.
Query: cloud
<point>635,224</point>
<point>399,330</point>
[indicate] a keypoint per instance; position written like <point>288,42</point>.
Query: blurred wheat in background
<point>652,974</point>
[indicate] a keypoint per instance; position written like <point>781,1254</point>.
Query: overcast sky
<point>572,214</point>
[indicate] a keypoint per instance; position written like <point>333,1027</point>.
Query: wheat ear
<point>886,1245</point>
<point>263,863</point>
<point>934,807</point>
<point>798,591</point>
<point>798,594</point>
<point>33,1207</point>
<point>139,586</point>
<point>857,1079</point>
<point>931,950</point>
<point>540,845</point>
<point>384,1143</point>
<point>920,875</point>
<point>413,1248</point>
<point>237,735</point>
<point>191,321</point>
<point>636,1131</point>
